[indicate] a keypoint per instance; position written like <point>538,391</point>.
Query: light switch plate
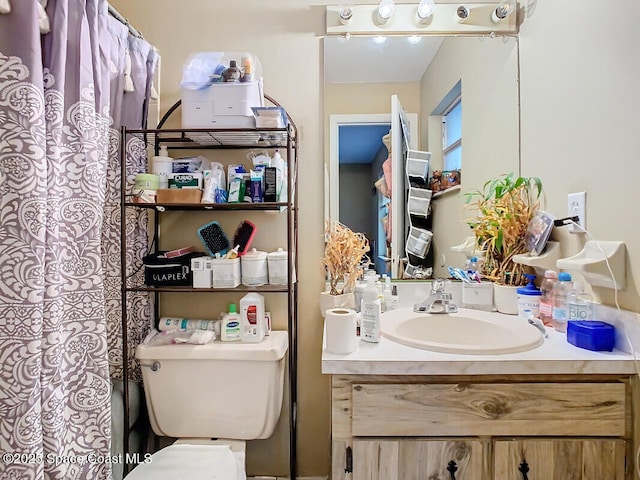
<point>577,205</point>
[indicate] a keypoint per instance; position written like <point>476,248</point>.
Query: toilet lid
<point>190,462</point>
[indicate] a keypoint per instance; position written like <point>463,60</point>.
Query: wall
<point>579,115</point>
<point>579,111</point>
<point>487,69</point>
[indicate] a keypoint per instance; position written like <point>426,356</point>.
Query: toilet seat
<point>191,462</point>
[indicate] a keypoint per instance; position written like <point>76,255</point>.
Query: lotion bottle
<point>370,329</point>
<point>230,328</point>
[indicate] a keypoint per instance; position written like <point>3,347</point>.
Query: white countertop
<point>554,356</point>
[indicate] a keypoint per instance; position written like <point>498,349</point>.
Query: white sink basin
<point>468,331</point>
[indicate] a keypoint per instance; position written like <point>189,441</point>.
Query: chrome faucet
<point>438,300</point>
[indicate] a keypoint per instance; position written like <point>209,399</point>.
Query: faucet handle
<point>437,286</point>
<point>446,296</point>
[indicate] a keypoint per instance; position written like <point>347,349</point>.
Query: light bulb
<point>385,10</point>
<point>503,10</point>
<point>425,10</point>
<point>414,39</point>
<point>379,40</point>
<point>345,13</point>
<point>462,13</point>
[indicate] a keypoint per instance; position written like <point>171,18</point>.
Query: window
<point>452,135</point>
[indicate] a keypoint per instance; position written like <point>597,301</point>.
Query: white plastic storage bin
<point>277,267</point>
<point>477,295</point>
<point>208,101</point>
<point>222,105</point>
<point>419,201</point>
<point>254,268</point>
<point>225,272</point>
<point>418,242</point>
<point>418,164</point>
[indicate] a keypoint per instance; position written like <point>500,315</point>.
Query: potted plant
<point>343,254</point>
<point>505,207</point>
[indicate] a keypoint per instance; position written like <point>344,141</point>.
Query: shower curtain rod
<point>115,14</point>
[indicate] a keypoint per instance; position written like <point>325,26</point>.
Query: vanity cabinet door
<point>410,459</point>
<point>576,459</point>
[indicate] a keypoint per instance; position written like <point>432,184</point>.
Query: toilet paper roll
<point>340,330</point>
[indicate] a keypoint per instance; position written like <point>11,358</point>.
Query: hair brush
<point>243,236</point>
<point>213,238</point>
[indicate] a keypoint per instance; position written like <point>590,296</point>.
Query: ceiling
<point>360,143</point>
<point>361,60</point>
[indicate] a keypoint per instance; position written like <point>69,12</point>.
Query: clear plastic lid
<point>203,69</point>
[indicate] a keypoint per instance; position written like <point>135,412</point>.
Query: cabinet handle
<point>524,469</point>
<point>452,468</point>
<point>348,461</point>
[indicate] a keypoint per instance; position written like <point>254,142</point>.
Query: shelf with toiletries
<point>273,206</point>
<point>173,224</point>
<point>238,289</point>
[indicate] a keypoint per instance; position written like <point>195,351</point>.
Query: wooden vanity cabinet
<point>482,427</point>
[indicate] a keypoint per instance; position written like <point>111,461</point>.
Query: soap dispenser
<point>529,298</point>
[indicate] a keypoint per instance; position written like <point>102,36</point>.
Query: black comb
<point>213,238</point>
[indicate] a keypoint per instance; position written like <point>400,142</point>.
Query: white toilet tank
<point>219,390</point>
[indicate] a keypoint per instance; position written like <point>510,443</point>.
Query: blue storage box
<point>591,335</point>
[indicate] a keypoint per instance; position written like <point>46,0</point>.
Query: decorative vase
<point>505,298</point>
<point>327,301</point>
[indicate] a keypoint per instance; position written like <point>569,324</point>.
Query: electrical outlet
<point>577,205</point>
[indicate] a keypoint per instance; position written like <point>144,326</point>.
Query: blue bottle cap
<point>564,276</point>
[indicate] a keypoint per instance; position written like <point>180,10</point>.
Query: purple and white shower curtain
<point>60,110</point>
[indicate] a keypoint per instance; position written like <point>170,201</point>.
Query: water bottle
<point>579,303</point>
<point>560,312</point>
<point>546,301</point>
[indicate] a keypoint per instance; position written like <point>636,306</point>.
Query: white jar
<point>277,267</point>
<point>254,268</point>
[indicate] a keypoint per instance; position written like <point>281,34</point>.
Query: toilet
<point>213,398</point>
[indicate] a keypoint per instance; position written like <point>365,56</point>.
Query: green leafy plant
<point>343,254</point>
<point>505,206</point>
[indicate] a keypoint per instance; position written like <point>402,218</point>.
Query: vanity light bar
<point>445,20</point>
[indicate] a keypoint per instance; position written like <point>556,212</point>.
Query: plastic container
<point>252,321</point>
<point>230,325</point>
<point>579,303</point>
<point>277,267</point>
<point>387,292</point>
<point>162,166</point>
<point>225,272</point>
<point>591,335</point>
<point>529,299</point>
<point>560,312</point>
<point>370,325</point>
<point>255,270</point>
<point>546,301</point>
<point>146,181</point>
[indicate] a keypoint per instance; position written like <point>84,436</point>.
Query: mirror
<point>361,78</point>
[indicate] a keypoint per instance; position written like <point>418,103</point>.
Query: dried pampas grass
<point>343,254</point>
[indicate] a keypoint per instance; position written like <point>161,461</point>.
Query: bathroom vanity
<point>553,412</point>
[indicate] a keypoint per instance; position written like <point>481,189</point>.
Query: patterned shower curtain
<point>59,109</point>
